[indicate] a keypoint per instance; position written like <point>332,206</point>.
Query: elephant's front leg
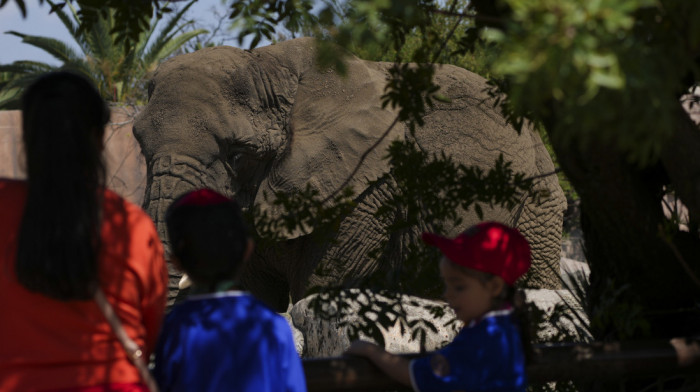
<point>541,223</point>
<point>341,257</point>
<point>263,278</point>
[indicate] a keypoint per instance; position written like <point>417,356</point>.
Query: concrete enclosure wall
<point>126,166</point>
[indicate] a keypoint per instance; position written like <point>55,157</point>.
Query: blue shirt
<point>484,356</point>
<point>227,341</point>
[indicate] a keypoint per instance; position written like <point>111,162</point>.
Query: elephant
<point>246,123</point>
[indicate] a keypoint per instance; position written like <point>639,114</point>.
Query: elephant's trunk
<point>170,176</point>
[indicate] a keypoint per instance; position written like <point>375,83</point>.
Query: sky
<point>40,22</point>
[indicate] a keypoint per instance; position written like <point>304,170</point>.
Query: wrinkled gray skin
<point>245,122</point>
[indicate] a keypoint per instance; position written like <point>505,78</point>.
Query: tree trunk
<point>632,263</point>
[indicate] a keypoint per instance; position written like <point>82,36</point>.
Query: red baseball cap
<point>488,247</point>
<point>201,197</point>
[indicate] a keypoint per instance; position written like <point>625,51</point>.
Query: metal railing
<point>554,362</point>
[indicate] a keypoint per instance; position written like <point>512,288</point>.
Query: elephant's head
<point>248,122</point>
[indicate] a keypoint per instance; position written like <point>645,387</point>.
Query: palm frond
<point>173,24</point>
<point>20,82</point>
<point>99,38</point>
<point>79,35</point>
<point>145,36</point>
<point>140,46</point>
<point>12,90</point>
<point>170,46</point>
<point>58,49</point>
<point>10,99</point>
<point>25,67</point>
<point>81,66</point>
<point>166,34</point>
<point>71,24</point>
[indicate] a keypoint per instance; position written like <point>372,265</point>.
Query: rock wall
<point>11,144</point>
<point>126,166</point>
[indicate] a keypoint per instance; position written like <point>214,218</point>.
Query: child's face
<point>467,295</point>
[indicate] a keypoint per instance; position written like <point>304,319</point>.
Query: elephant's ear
<point>333,122</point>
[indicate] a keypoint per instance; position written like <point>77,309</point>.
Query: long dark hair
<point>63,120</point>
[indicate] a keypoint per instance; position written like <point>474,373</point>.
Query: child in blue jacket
<point>479,268</point>
<point>220,338</point>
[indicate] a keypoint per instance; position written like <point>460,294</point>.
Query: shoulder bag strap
<point>132,349</point>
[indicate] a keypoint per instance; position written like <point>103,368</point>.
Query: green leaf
<point>605,79</point>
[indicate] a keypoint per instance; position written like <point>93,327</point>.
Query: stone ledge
<point>316,338</point>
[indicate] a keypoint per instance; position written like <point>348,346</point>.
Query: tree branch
<point>681,259</point>
<point>481,18</point>
<point>449,36</point>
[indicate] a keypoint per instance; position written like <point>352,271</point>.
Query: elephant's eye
<point>235,160</point>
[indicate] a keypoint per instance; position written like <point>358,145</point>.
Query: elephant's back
<point>470,127</point>
<point>205,61</point>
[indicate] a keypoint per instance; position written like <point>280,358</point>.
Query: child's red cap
<point>490,247</point>
<point>202,197</point>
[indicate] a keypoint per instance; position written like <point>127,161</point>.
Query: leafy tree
<point>117,71</point>
<point>605,79</point>
<point>442,25</point>
<point>132,18</point>
<point>217,23</point>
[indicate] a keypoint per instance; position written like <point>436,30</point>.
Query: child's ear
<point>496,286</point>
<point>250,245</point>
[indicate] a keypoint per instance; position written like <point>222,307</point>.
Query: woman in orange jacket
<point>63,238</point>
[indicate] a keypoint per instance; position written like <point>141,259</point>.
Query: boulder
<point>327,338</point>
<point>298,336</point>
<point>571,319</point>
<point>574,273</point>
